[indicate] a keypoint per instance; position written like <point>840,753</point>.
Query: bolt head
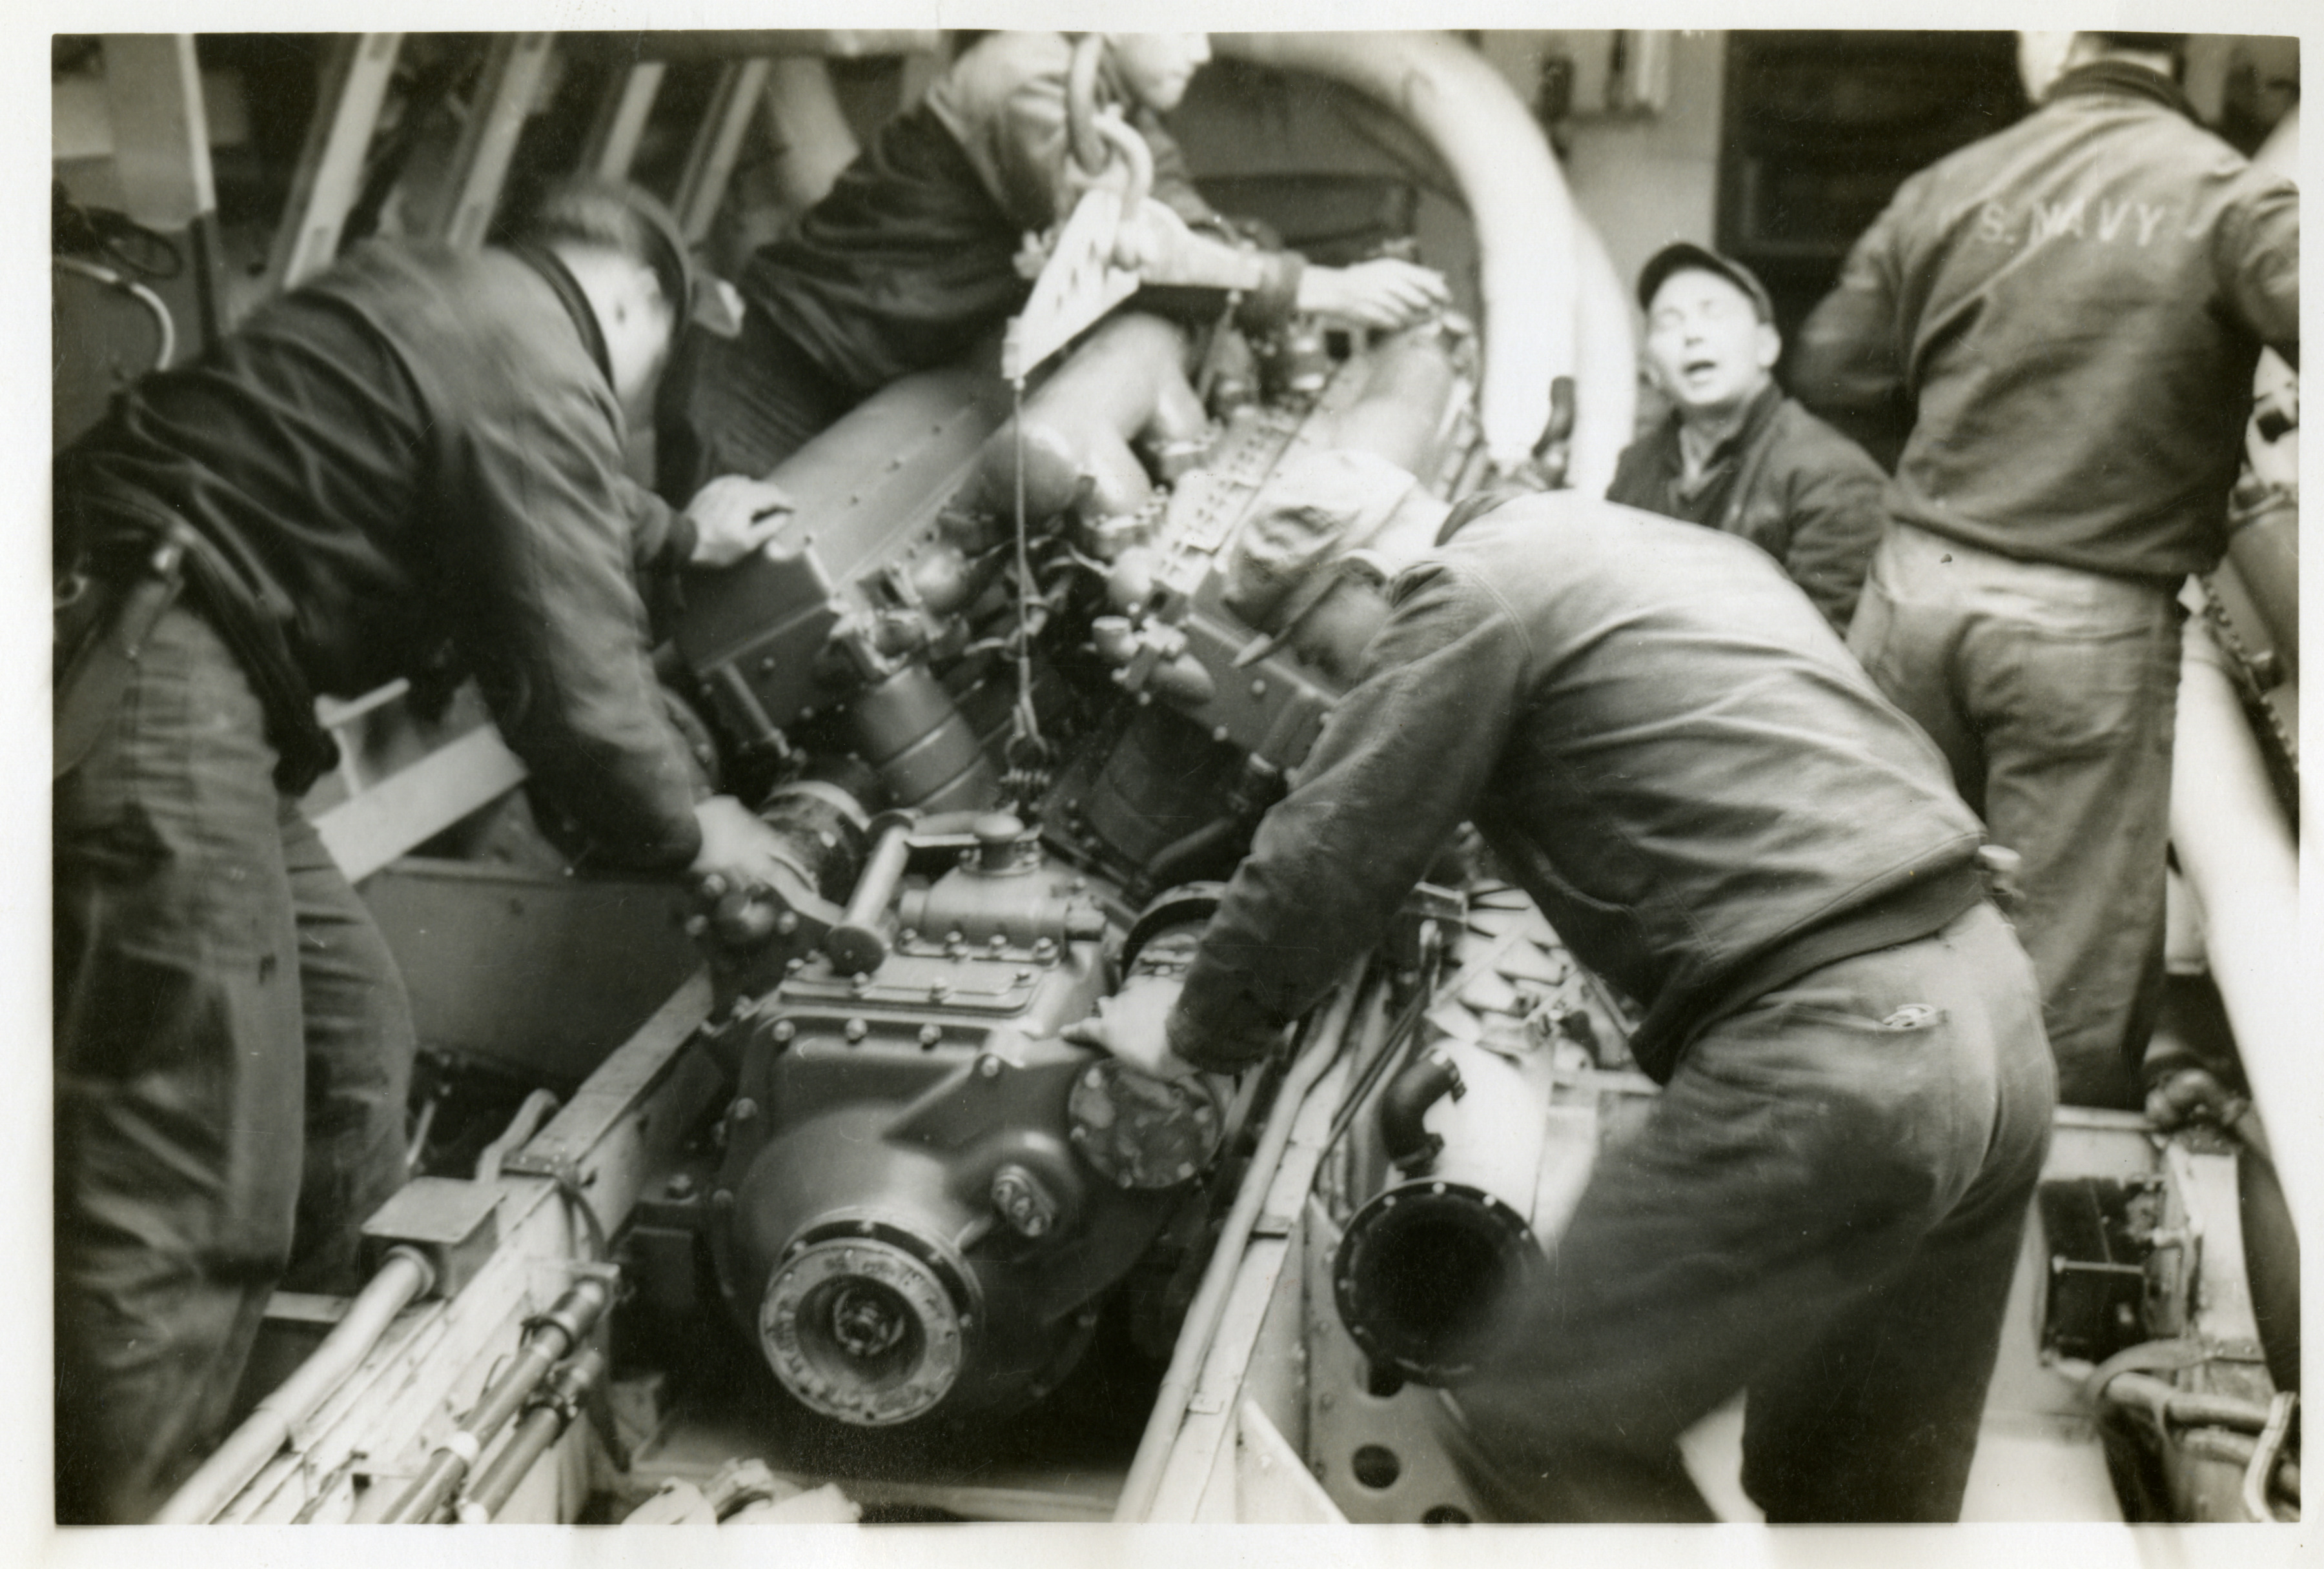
<point>989,1066</point>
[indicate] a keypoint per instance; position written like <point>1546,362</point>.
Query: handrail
<point>1202,1321</point>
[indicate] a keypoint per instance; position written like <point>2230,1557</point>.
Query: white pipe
<point>1202,1321</point>
<point>404,1277</point>
<point>1517,198</point>
<point>2242,864</point>
<point>813,141</point>
<point>1606,366</point>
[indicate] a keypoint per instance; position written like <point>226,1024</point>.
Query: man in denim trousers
<point>2072,310</point>
<point>1666,745</point>
<point>420,449</point>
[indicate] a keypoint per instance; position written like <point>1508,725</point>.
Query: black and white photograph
<point>878,776</point>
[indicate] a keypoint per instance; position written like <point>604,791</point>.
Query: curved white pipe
<point>1525,217</point>
<point>804,120</point>
<point>2243,864</point>
<point>1606,366</point>
<point>403,1278</point>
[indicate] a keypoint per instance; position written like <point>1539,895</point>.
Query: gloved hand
<point>734,515</point>
<point>737,846</point>
<point>1134,1026</point>
<point>1383,293</point>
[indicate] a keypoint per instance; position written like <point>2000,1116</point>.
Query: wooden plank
<point>412,805</point>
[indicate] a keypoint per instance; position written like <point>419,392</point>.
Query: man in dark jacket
<point>1671,751</point>
<point>1735,453</point>
<point>2072,309</point>
<point>421,448</point>
<point>910,258</point>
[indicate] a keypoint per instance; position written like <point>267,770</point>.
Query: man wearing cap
<point>2070,311</point>
<point>1735,453</point>
<point>1651,726</point>
<point>910,258</point>
<point>417,454</point>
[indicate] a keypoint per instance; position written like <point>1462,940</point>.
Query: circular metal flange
<point>1139,1131</point>
<point>862,1331</point>
<point>1419,1270</point>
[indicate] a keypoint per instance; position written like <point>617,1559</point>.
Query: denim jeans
<point>233,1048</point>
<point>2053,693</point>
<point>1823,1208</point>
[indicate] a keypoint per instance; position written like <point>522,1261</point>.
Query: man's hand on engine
<point>735,845</point>
<point>1383,293</point>
<point>1134,1026</point>
<point>734,515</point>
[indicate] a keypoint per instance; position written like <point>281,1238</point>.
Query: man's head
<point>2043,57</point>
<point>1312,561</point>
<point>1156,66</point>
<point>1711,343</point>
<point>624,250</point>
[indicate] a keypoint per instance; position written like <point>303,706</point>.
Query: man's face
<point>1156,66</point>
<point>1706,346</point>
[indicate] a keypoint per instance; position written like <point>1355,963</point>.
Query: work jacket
<point>2073,308</point>
<point>420,450</point>
<point>911,257</point>
<point>1784,480</point>
<point>1661,739</point>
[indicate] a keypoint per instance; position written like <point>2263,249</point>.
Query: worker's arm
<point>1837,515</point>
<point>549,614</point>
<point>1850,354</point>
<point>2255,256</point>
<point>1402,762</point>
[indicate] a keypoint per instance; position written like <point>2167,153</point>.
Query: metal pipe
<point>1518,199</point>
<point>1202,1321</point>
<point>403,1278</point>
<point>547,1342</point>
<point>2243,864</point>
<point>551,1413</point>
<point>1605,366</point>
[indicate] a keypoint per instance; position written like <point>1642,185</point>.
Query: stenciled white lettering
<point>2054,219</point>
<point>2148,217</point>
<point>1992,224</point>
<point>2111,218</point>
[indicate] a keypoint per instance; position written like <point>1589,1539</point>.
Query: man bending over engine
<point>417,452</point>
<point>1668,746</point>
<point>910,258</point>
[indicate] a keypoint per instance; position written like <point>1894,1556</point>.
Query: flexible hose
<point>1138,1489</point>
<point>166,324</point>
<point>403,1278</point>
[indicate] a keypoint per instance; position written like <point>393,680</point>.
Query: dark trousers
<point>233,1048</point>
<point>1823,1208</point>
<point>738,406</point>
<point>2053,693</point>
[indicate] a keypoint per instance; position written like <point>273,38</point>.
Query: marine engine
<point>985,688</point>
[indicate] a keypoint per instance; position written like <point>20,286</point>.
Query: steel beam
<point>622,121</point>
<point>511,81</point>
<point>330,177</point>
<point>711,162</point>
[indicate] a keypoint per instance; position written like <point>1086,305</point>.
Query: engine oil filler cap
<point>1139,1131</point>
